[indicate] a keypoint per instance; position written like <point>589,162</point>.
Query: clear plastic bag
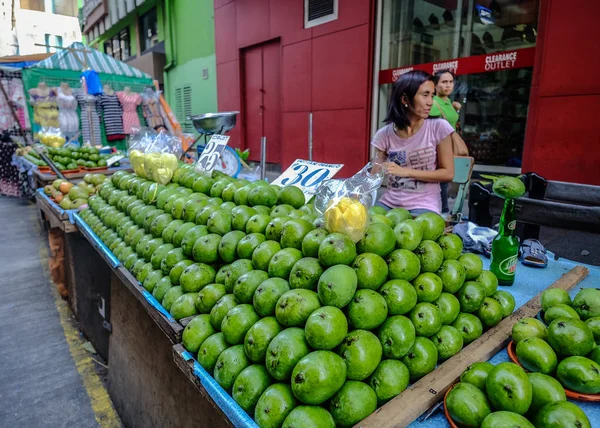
<point>343,204</point>
<point>154,156</point>
<point>52,137</point>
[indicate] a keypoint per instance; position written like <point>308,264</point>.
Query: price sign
<point>307,175</point>
<point>113,159</point>
<point>212,152</point>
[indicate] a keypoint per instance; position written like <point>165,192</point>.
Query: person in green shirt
<point>445,108</point>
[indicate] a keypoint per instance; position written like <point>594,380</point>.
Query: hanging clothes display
<point>151,108</point>
<point>112,116</point>
<point>129,101</point>
<point>45,109</point>
<point>67,111</point>
<point>9,174</point>
<point>7,120</point>
<point>17,96</point>
<point>90,122</point>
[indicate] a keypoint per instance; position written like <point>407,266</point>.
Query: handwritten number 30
<point>306,181</point>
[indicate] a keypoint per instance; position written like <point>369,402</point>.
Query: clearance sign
<point>497,61</point>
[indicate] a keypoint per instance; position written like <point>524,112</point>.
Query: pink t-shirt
<point>416,152</point>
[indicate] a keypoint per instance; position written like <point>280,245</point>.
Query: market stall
<point>117,99</point>
<point>169,297</point>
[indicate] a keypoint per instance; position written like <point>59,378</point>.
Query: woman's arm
<point>444,172</point>
<point>379,160</point>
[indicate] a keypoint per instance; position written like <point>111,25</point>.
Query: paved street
<point>47,377</point>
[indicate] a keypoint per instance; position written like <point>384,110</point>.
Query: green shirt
<point>449,113</point>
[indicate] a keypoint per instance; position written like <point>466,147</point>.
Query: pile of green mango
<point>294,322</point>
<point>504,395</point>
<point>565,345</point>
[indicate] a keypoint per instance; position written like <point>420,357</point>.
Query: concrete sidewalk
<point>46,378</point>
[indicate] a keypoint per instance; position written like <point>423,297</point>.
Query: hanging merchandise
<point>7,120</point>
<point>67,110</point>
<point>109,120</point>
<point>112,114</point>
<point>17,96</point>
<point>45,109</point>
<point>129,101</point>
<point>151,108</point>
<point>92,81</point>
<point>90,122</point>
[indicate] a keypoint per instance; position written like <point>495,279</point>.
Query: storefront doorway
<point>488,44</point>
<point>261,86</point>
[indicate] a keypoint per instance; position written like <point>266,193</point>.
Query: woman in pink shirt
<point>418,150</point>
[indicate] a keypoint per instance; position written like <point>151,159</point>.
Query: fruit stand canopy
<point>77,56</point>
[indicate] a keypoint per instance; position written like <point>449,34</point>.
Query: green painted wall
<point>194,48</point>
<point>194,45</point>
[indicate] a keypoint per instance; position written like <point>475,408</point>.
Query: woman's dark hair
<point>408,84</point>
<point>439,73</point>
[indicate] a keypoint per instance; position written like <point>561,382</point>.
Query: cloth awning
<point>78,56</point>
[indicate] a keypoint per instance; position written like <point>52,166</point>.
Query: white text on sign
<point>307,175</point>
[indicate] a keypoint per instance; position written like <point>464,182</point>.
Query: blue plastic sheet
<point>238,417</point>
<point>82,225</point>
<point>529,282</point>
<point>152,300</point>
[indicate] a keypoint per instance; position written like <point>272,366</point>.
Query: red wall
<point>563,126</point>
<point>325,70</point>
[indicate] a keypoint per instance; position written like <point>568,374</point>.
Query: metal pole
<point>263,158</point>
<point>469,28</point>
<point>310,136</point>
<point>50,164</point>
<point>457,24</point>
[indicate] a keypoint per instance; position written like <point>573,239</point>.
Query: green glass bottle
<point>505,247</point>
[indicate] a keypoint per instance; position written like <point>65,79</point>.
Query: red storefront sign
<point>497,61</point>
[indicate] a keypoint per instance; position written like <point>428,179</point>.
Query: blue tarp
<point>529,282</point>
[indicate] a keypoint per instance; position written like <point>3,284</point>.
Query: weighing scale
<point>218,123</point>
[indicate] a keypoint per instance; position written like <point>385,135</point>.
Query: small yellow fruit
<point>348,216</point>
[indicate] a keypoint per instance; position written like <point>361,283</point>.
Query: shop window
<point>148,30</point>
<point>65,7</point>
<point>33,5</point>
<point>52,42</point>
<point>420,31</point>
<point>119,46</point>
<point>183,107</point>
<point>317,12</point>
<point>427,35</point>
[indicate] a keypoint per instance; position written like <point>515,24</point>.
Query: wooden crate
<point>146,387</point>
<point>223,404</point>
<point>88,280</point>
<point>165,321</point>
